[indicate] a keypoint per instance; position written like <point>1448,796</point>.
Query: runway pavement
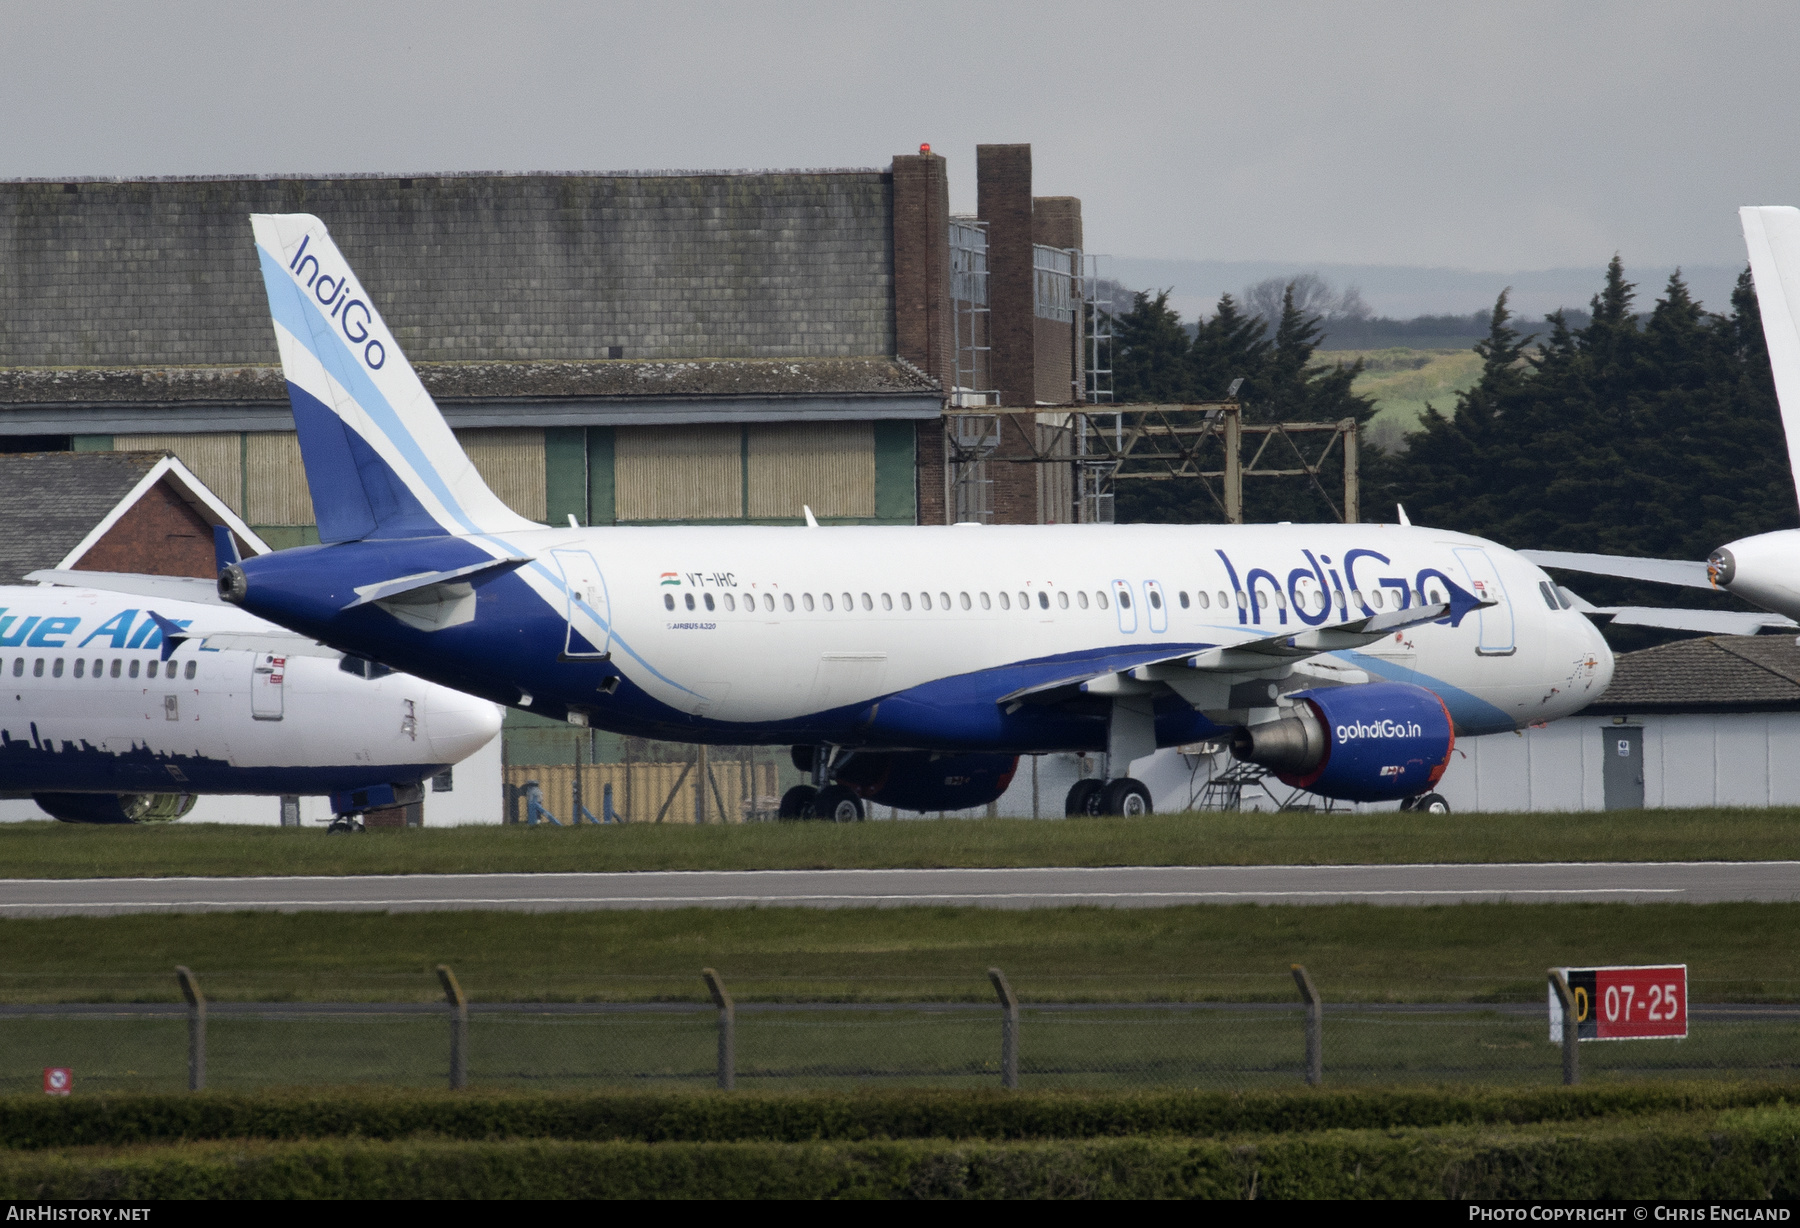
<point>1114,887</point>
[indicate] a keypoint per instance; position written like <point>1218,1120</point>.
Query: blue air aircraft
<point>111,712</point>
<point>908,666</point>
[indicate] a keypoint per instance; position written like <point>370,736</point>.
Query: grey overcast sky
<point>1500,136</point>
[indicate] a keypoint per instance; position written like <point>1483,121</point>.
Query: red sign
<point>58,1080</point>
<point>1633,1003</point>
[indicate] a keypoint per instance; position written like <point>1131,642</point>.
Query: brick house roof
<point>1720,673</point>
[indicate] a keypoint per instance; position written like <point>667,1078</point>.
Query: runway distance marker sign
<point>1625,1003</point>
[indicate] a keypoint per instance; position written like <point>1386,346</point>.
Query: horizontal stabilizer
<point>166,588</point>
<point>369,594</point>
<point>1626,567</point>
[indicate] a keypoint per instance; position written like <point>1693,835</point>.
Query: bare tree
<point>1313,295</point>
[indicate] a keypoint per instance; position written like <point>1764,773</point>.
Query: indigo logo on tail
<point>352,317</point>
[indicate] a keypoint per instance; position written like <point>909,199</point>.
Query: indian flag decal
<point>669,577</point>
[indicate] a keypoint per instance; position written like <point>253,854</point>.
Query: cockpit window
<point>1548,594</point>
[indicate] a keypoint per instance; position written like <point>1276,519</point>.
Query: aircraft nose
<point>458,725</point>
<point>1594,647</point>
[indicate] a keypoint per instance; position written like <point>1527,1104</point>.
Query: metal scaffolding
<point>1201,442</point>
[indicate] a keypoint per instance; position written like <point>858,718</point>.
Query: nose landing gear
<point>1426,803</point>
<point>834,803</point>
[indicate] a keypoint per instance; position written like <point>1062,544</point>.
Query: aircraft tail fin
<point>1772,233</point>
<point>380,459</point>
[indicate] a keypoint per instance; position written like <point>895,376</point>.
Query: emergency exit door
<point>268,679</point>
<point>1623,766</point>
<point>588,611</point>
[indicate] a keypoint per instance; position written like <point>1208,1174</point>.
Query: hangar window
<point>1100,598</point>
<point>1062,600</point>
<point>906,601</point>
<point>188,673</point>
<point>887,602</point>
<point>806,600</point>
<point>1081,600</point>
<point>1005,602</point>
<point>867,604</point>
<point>965,600</point>
<point>1548,596</point>
<point>80,667</point>
<point>708,598</point>
<point>133,671</point>
<point>689,599</point>
<point>668,601</point>
<point>944,600</point>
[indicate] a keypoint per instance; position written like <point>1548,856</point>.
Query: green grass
<point>1450,953</point>
<point>58,850</point>
<point>1402,382</point>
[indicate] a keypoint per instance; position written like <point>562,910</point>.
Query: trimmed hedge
<point>1676,1158</point>
<point>33,1122</point>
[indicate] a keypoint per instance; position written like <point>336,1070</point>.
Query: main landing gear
<point>1124,796</point>
<point>832,803</point>
<point>1426,803</point>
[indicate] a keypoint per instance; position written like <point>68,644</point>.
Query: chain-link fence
<point>592,1045</point>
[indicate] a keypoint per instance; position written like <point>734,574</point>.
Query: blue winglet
<point>172,633</point>
<point>225,551</point>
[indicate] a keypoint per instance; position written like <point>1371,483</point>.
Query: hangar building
<point>626,348</point>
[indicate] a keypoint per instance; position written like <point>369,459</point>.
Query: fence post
<point>459,1028</point>
<point>196,1001</point>
<point>1009,1029</point>
<point>1571,1029</point>
<point>1315,1027</point>
<point>727,1029</point>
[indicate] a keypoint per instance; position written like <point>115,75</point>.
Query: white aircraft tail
<point>1772,233</point>
<point>380,459</point>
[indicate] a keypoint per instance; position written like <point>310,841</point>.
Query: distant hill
<point>1401,294</point>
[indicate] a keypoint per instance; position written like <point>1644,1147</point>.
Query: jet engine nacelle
<point>1761,570</point>
<point>1378,742</point>
<point>920,780</point>
<point>115,807</point>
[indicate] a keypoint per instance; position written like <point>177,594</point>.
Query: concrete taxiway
<point>1047,887</point>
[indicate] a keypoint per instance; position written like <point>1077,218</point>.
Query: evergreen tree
<point>1150,352</point>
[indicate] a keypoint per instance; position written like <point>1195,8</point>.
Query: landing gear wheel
<point>344,823</point>
<point>1127,797</point>
<point>836,804</point>
<point>1084,799</point>
<point>797,802</point>
<point>1431,803</point>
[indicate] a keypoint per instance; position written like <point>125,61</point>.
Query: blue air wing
<point>1655,571</point>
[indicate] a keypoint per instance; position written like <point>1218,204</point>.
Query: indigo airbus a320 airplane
<point>908,666</point>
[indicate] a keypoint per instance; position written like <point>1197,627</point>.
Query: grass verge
<point>58,850</point>
<point>1449,953</point>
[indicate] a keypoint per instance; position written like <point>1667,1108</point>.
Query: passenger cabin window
<point>19,667</point>
<point>1081,600</point>
<point>80,667</point>
<point>1025,601</point>
<point>887,602</point>
<point>133,671</point>
<point>826,598</point>
<point>1062,600</point>
<point>1005,602</point>
<point>189,672</point>
<point>1124,600</point>
<point>689,599</point>
<point>1044,601</point>
<point>769,602</point>
<point>1224,599</point>
<point>867,604</point>
<point>708,598</point>
<point>115,668</point>
<point>985,603</point>
<point>1155,600</point>
<point>1184,598</point>
<point>1262,601</point>
<point>944,601</point>
<point>1243,603</point>
<point>906,601</point>
<point>965,600</point>
<point>56,670</point>
<point>1201,597</point>
<point>730,602</point>
<point>806,600</point>
<point>1356,597</point>
<point>787,602</point>
<point>924,601</point>
<point>668,601</point>
<point>1100,598</point>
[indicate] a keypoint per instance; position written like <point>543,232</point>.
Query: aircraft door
<point>1156,606</point>
<point>1126,606</point>
<point>587,609</point>
<point>1495,624</point>
<point>268,685</point>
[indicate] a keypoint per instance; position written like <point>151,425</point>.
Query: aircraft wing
<point>1656,571</point>
<point>1206,678</point>
<point>167,588</point>
<point>1709,622</point>
<point>281,643</point>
